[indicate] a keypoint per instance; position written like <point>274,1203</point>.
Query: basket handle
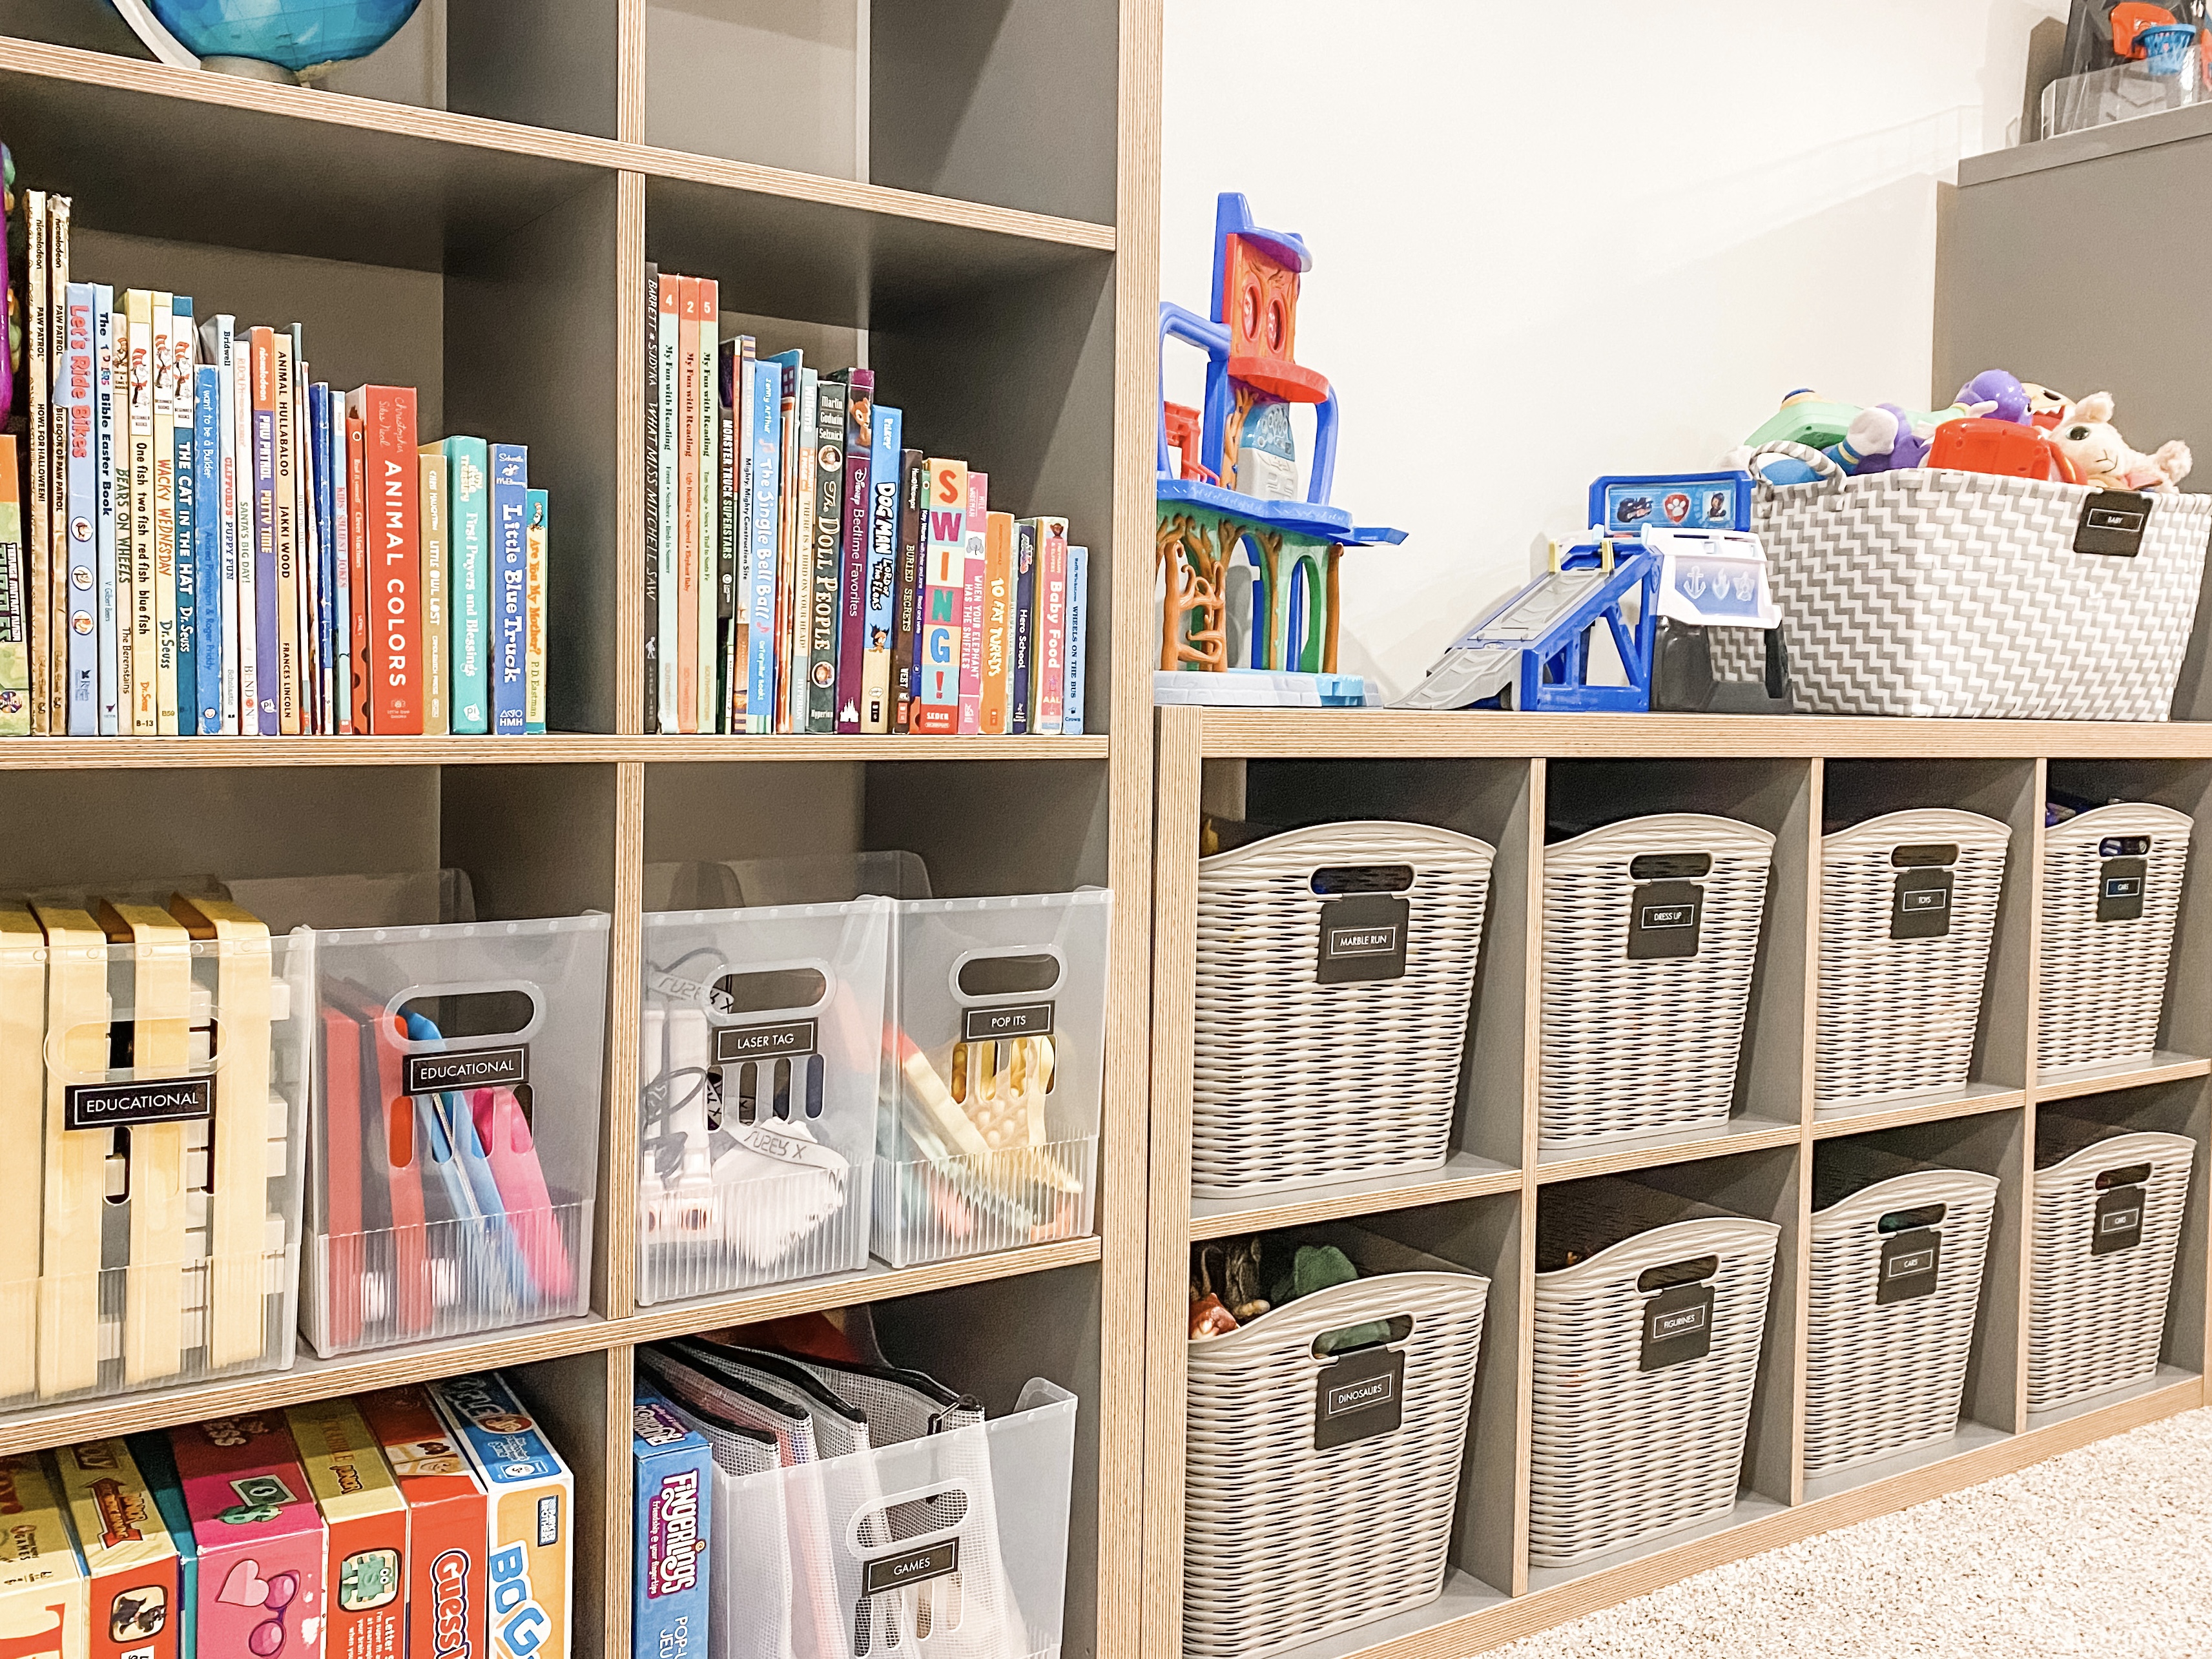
<point>1830,474</point>
<point>1898,1221</point>
<point>1690,1271</point>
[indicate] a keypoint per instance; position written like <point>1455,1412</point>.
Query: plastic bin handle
<point>875,1515</point>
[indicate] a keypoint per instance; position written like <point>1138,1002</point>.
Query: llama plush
<point>2085,434</point>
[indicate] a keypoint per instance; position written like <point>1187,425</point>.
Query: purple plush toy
<point>1995,395</point>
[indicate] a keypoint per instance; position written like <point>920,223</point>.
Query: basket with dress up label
<point>1965,594</point>
<point>2111,890</point>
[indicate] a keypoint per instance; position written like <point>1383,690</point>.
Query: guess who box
<point>671,1467</point>
<point>449,1523</point>
<point>133,1572</point>
<point>532,1497</point>
<point>367,1521</point>
<point>42,1591</point>
<point>260,1538</point>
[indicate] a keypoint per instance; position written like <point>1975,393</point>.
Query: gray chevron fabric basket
<point>1963,594</point>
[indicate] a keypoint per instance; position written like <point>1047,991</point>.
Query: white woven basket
<point>1873,986</point>
<point>2097,1321</point>
<point>1282,1544</point>
<point>1621,1455</point>
<point>1959,594</point>
<point>1883,1376</point>
<point>1296,1082</point>
<point>1630,1046</point>
<point>2103,983</point>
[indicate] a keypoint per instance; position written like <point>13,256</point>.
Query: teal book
<point>468,565</point>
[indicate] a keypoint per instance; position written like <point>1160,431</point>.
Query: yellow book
<point>42,1581</point>
<point>75,1192</point>
<point>437,662</point>
<point>23,1130</point>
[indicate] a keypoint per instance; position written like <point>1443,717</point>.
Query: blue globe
<point>297,33</point>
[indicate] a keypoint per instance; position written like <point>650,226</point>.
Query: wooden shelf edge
<point>1386,734</point>
<point>555,748</point>
<point>1088,746</point>
<point>2168,1071</point>
<point>1294,1209</point>
<point>1540,1610</point>
<point>1652,1156</point>
<point>1926,1111</point>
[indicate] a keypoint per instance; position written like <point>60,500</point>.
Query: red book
<point>392,465</point>
<point>357,576</point>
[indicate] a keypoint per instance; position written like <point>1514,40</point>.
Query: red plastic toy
<point>2001,447</point>
<point>2129,19</point>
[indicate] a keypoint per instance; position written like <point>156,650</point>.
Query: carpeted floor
<point>2103,1552</point>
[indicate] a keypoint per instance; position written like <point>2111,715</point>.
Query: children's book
<point>291,606</point>
<point>765,427</point>
<point>145,674</point>
<point>998,620</point>
<point>431,472</point>
<point>651,499</point>
<point>877,691</point>
<point>1026,534</point>
<point>183,406</point>
<point>15,631</point>
<point>706,482</point>
<point>534,533</point>
<point>510,519</point>
<point>911,600</point>
<point>468,518</point>
<point>827,522</point>
<point>1079,608</point>
<point>268,659</point>
<point>211,509</point>
<point>853,576</point>
<point>104,447</point>
<point>1051,678</point>
<point>74,406</point>
<point>974,563</point>
<point>938,702</point>
<point>391,511</point>
<point>668,359</point>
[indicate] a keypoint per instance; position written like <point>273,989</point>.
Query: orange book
<point>998,619</point>
<point>687,504</point>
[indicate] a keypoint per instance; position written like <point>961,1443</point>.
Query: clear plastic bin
<point>951,1545</point>
<point>759,1072</point>
<point>161,1049</point>
<point>2098,98</point>
<point>998,1055</point>
<point>456,1157</point>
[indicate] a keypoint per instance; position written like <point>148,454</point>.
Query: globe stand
<point>250,69</point>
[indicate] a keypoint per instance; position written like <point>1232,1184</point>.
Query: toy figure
<point>2086,436</point>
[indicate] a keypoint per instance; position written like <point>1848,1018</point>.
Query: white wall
<point>1554,242</point>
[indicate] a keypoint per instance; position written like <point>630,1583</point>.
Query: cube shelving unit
<point>964,197</point>
<point>1505,777</point>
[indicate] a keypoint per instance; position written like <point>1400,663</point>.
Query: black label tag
<point>1677,1325</point>
<point>2119,1221</point>
<point>1921,908</point>
<point>467,1068</point>
<point>108,1105</point>
<point>2120,890</point>
<point>737,1043</point>
<point>1363,938</point>
<point>2112,523</point>
<point>914,1567</point>
<point>1002,1023</point>
<point>1664,920</point>
<point>1358,1397</point>
<point>1910,1265</point>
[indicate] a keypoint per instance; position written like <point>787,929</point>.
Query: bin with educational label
<point>1896,1276</point>
<point>1908,905</point>
<point>1651,931</point>
<point>2111,890</point>
<point>1320,1475</point>
<point>2108,1214</point>
<point>990,1138</point>
<point>456,1129</point>
<point>1651,1311</point>
<point>1334,963</point>
<point>945,1538</point>
<point>760,1053</point>
<point>160,1050</point>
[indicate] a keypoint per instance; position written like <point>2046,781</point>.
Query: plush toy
<point>2046,408</point>
<point>1879,439</point>
<point>2086,436</point>
<point>1994,394</point>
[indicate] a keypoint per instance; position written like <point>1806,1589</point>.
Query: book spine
<point>314,660</point>
<point>670,356</point>
<point>217,336</point>
<point>323,501</point>
<point>973,562</point>
<point>938,707</point>
<point>878,694</point>
<point>510,518</point>
<point>468,516</point>
<point>687,505</point>
<point>852,577</point>
<point>707,483</point>
<point>210,516</point>
<point>341,486</point>
<point>164,515</point>
<point>998,619</point>
<point>799,688</point>
<point>1017,695</point>
<point>106,617</point>
<point>1079,619</point>
<point>185,376</point>
<point>829,550</point>
<point>913,588</point>
<point>290,645</point>
<point>539,510</point>
<point>81,507</point>
<point>145,680</point>
<point>245,536</point>
<point>436,544</point>
<point>1051,676</point>
<point>392,465</point>
<point>767,429</point>
<point>38,531</point>
<point>733,590</point>
<point>56,599</point>
<point>364,612</point>
<point>652,610</point>
<point>14,653</point>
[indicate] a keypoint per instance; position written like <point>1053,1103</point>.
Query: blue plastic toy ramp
<point>1532,649</point>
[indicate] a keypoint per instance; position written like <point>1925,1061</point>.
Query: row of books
<point>209,541</point>
<point>806,572</point>
<point>425,1520</point>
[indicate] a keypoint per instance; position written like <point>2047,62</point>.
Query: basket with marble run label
<point>163,1049</point>
<point>2111,892</point>
<point>2109,1205</point>
<point>1895,1279</point>
<point>996,1053</point>
<point>1651,1313</point>
<point>1908,907</point>
<point>760,1048</point>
